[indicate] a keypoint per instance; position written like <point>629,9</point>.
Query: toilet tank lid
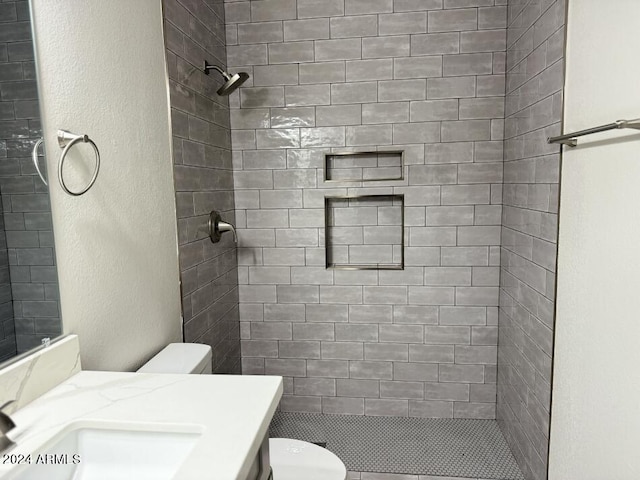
<point>179,358</point>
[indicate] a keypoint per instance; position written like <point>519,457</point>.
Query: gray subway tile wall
<point>533,110</point>
<point>426,77</point>
<point>203,170</point>
<point>29,294</point>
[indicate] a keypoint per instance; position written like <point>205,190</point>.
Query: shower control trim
<point>217,227</point>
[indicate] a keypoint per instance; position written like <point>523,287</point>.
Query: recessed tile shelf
<point>364,232</point>
<point>363,166</point>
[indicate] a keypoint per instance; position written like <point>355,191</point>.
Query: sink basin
<point>91,452</point>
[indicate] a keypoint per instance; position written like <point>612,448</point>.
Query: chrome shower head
<point>232,82</point>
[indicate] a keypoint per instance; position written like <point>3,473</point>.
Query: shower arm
<point>208,66</point>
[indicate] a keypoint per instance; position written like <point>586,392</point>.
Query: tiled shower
<point>203,179</point>
<point>370,76</point>
<point>535,77</point>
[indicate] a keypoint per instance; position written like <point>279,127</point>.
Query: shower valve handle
<point>217,227</point>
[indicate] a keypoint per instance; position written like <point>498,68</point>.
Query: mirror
<point>29,307</point>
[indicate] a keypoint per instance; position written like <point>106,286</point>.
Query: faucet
<point>6,425</point>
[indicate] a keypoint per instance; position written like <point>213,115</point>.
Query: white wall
<point>102,71</point>
<point>595,419</point>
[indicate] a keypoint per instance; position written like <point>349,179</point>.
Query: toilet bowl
<point>290,459</point>
<point>297,460</point>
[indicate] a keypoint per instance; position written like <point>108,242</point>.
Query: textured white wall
<point>102,71</point>
<point>595,422</point>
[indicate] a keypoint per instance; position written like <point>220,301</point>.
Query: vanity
<point>112,425</point>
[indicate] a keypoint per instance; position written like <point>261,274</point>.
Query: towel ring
<point>34,157</point>
<point>67,140</point>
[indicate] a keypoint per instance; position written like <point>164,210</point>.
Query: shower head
<point>232,82</point>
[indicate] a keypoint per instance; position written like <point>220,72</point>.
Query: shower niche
<point>363,166</point>
<point>364,232</point>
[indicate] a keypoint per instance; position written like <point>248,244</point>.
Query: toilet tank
<point>180,358</point>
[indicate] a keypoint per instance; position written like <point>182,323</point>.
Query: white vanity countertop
<point>233,412</point>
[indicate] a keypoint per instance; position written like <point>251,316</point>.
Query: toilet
<point>296,460</point>
<point>290,459</point>
<point>180,358</point>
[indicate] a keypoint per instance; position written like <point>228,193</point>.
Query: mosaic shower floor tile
<point>414,446</point>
